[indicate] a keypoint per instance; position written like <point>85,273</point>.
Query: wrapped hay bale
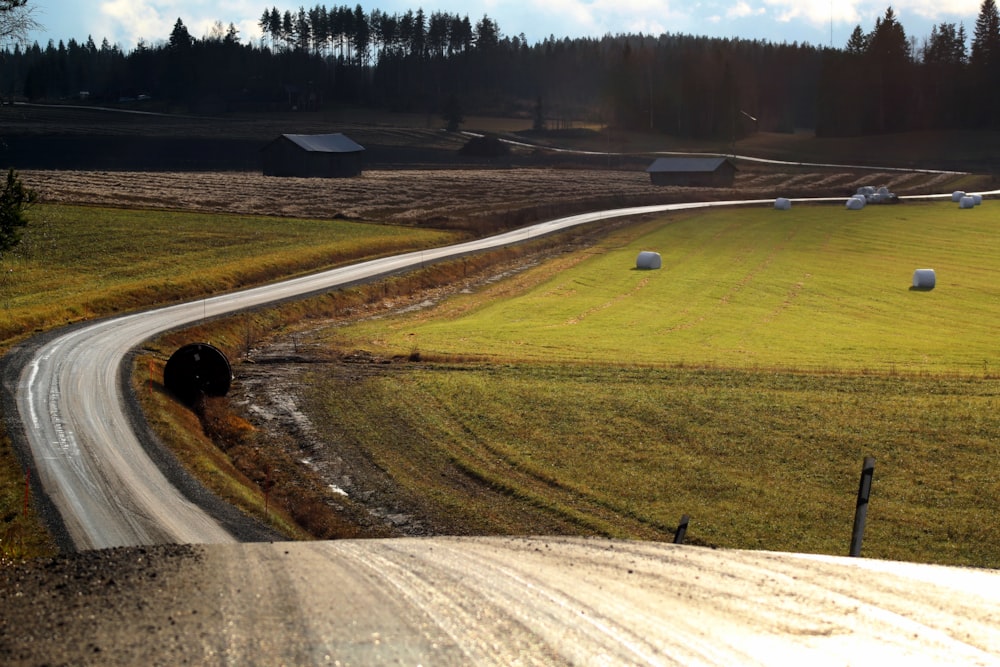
<point>967,202</point>
<point>924,279</point>
<point>856,203</point>
<point>782,204</point>
<point>977,199</point>
<point>957,195</point>
<point>648,260</point>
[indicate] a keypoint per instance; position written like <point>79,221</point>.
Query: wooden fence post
<point>861,511</point>
<point>681,530</point>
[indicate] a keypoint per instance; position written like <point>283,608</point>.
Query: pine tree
<point>15,199</point>
<point>985,64</point>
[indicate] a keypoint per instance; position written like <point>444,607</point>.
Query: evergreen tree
<point>15,199</point>
<point>857,44</point>
<point>985,63</point>
<point>180,38</point>
<point>889,58</point>
<point>986,38</point>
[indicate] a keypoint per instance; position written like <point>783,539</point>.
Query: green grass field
<point>817,288</point>
<point>80,262</point>
<point>742,384</point>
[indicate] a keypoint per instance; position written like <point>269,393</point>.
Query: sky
<point>816,22</point>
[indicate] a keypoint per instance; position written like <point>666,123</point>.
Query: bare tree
<point>16,21</point>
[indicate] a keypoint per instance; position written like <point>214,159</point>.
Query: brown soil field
<point>473,199</point>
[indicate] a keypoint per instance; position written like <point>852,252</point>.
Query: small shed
<point>313,156</point>
<point>712,172</point>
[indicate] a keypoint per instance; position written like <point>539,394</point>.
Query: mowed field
<point>817,288</point>
<point>742,384</point>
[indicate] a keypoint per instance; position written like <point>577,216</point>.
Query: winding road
<point>105,488</point>
<point>449,600</point>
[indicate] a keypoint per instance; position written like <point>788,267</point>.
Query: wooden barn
<point>712,172</point>
<point>312,156</point>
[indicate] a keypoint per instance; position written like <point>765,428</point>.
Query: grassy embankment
<point>742,384</point>
<point>80,263</point>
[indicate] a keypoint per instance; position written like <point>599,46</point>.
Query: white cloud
<point>822,12</point>
<point>742,10</point>
<point>131,20</point>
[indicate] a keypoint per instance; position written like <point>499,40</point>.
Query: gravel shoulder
<point>490,601</point>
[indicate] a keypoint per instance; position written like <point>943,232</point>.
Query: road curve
<point>103,486</point>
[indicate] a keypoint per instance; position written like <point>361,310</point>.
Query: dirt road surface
<point>491,601</point>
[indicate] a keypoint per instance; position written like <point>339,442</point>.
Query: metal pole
<point>861,511</point>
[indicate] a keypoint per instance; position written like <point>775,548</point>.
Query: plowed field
<point>452,198</point>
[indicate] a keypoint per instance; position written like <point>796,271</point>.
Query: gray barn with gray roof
<point>312,156</point>
<point>713,172</point>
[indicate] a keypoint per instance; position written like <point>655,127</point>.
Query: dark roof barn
<point>717,172</point>
<point>313,156</point>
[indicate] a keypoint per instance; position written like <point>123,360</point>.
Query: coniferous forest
<point>881,81</point>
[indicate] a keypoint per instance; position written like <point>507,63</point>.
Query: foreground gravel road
<point>491,601</point>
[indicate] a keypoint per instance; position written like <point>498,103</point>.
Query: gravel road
<point>491,601</point>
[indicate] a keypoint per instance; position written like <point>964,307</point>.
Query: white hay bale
<point>866,190</point>
<point>924,278</point>
<point>977,199</point>
<point>967,202</point>
<point>782,204</point>
<point>883,192</point>
<point>957,195</point>
<point>648,260</point>
<point>856,203</point>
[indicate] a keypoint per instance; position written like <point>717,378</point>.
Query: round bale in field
<point>196,370</point>
<point>648,260</point>
<point>967,202</point>
<point>782,203</point>
<point>977,199</point>
<point>924,279</point>
<point>856,203</point>
<point>957,195</point>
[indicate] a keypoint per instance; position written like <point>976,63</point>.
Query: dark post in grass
<point>681,530</point>
<point>861,512</point>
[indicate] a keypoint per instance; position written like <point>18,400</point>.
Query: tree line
<point>689,86</point>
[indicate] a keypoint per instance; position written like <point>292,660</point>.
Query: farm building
<point>717,172</point>
<point>313,156</point>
